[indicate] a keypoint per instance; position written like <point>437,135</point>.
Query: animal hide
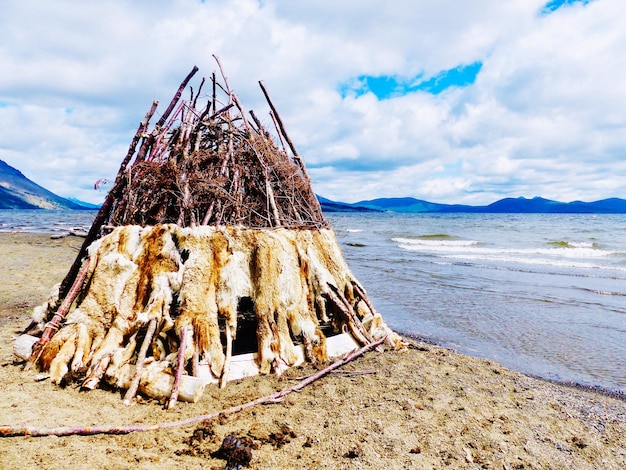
<point>294,284</point>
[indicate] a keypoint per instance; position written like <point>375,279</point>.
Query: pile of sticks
<point>210,164</point>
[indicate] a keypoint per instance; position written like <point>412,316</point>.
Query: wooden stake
<point>229,353</point>
<point>214,90</point>
<point>157,128</point>
<point>53,325</point>
<point>219,64</point>
<point>259,126</point>
<point>361,293</point>
<point>179,367</point>
<point>353,323</point>
<point>280,137</point>
<point>97,371</point>
<point>104,211</point>
<point>141,358</point>
<point>296,155</point>
<point>195,100</point>
<point>270,197</point>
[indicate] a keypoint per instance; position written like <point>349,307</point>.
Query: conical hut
<point>209,260</point>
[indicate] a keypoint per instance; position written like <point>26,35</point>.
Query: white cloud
<point>544,116</point>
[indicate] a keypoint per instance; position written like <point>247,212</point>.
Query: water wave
<point>438,236</point>
<point>566,244</point>
<point>562,263</point>
<point>473,249</point>
<point>415,244</point>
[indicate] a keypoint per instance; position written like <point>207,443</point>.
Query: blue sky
<point>385,87</point>
<point>443,100</point>
<point>554,5</point>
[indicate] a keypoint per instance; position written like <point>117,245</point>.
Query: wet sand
<point>426,407</point>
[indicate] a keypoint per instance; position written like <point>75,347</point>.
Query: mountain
<point>18,192</point>
<point>411,205</point>
<point>332,206</point>
<point>85,205</point>
<point>536,205</point>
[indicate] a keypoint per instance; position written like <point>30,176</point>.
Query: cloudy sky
<point>445,100</point>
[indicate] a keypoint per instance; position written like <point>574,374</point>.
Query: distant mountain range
<point>521,205</point>
<point>18,192</point>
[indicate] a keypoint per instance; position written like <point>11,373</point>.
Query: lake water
<point>543,294</point>
<point>45,221</point>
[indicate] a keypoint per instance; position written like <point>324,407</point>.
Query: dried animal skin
<point>196,277</point>
<point>131,271</point>
<point>205,251</point>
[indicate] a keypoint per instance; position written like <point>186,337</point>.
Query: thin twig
<point>354,372</point>
<point>339,372</point>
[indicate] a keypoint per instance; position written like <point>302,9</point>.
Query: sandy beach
<point>426,407</point>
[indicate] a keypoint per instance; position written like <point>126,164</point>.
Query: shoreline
<point>607,392</point>
<point>426,407</point>
<point>600,390</point>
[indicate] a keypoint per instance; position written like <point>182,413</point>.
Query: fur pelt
<point>195,278</point>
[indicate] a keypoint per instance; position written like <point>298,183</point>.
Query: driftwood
<point>73,232</point>
<point>210,243</point>
<point>33,431</point>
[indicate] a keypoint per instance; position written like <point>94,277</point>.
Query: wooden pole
<point>53,325</point>
<point>141,357</point>
<point>314,202</point>
<point>184,333</point>
<point>283,131</point>
<point>354,324</point>
<point>148,142</point>
<point>214,90</point>
<point>103,213</point>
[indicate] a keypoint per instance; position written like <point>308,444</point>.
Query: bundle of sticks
<point>215,167</point>
<point>209,218</point>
